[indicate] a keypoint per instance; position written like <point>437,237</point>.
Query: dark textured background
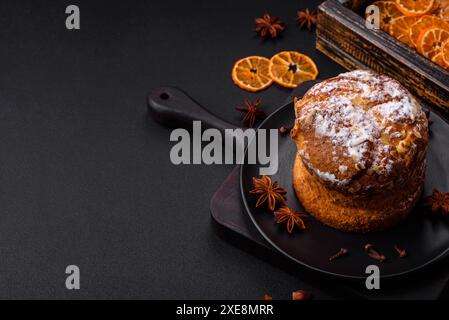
<point>85,175</point>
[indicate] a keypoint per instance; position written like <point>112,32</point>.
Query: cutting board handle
<point>173,107</point>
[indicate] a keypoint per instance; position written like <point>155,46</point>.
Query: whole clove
<point>373,253</point>
<point>401,252</point>
<point>339,254</point>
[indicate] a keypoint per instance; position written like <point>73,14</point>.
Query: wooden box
<point>343,36</point>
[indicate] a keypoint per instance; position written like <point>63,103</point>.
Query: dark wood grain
<point>343,36</point>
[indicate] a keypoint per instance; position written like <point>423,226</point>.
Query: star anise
<point>306,19</point>
<point>438,202</point>
<point>252,112</point>
<point>269,26</point>
<point>268,192</point>
<point>285,214</point>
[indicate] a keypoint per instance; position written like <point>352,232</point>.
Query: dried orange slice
<point>424,23</point>
<point>400,29</point>
<point>291,68</point>
<point>415,7</point>
<point>430,42</point>
<point>445,53</point>
<point>251,73</point>
<point>442,58</point>
<point>442,9</point>
<point>439,59</point>
<point>388,11</point>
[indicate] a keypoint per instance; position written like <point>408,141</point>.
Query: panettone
<point>362,141</point>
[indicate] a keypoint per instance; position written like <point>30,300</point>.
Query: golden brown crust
<point>362,143</point>
<point>347,213</point>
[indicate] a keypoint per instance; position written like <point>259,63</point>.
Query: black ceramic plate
<point>425,238</point>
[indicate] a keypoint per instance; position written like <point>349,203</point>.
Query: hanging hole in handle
<point>164,96</point>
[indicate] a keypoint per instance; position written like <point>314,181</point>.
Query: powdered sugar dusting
<point>343,169</point>
<point>330,177</point>
<point>365,85</point>
<point>355,109</point>
<point>346,125</point>
<point>397,110</point>
<point>393,89</point>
